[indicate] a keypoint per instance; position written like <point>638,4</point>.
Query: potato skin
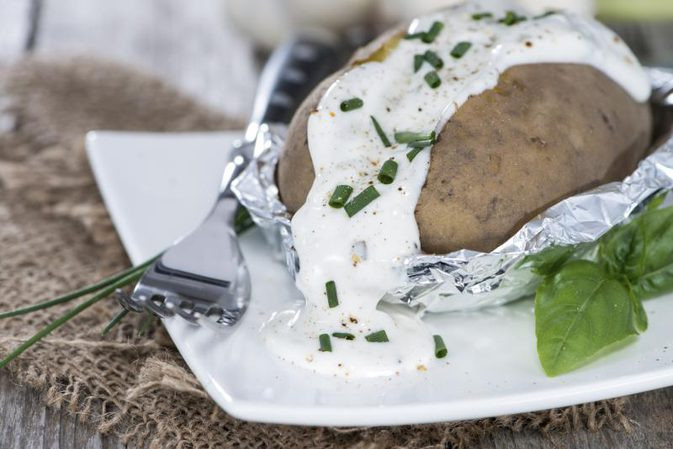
<point>545,132</point>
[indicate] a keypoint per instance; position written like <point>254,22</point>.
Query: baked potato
<point>545,132</point>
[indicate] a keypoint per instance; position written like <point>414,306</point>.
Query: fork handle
<point>289,75</point>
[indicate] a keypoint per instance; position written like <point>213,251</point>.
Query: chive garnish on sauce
<point>351,104</point>
<point>482,15</point>
<point>440,347</point>
<point>420,143</point>
<point>512,18</point>
<point>460,49</point>
<point>432,79</point>
<point>325,343</point>
<point>418,62</point>
<point>377,337</point>
<point>343,335</point>
<point>340,196</point>
<point>361,200</point>
<point>545,14</point>
<point>413,153</point>
<point>379,131</point>
<point>332,298</point>
<point>415,35</point>
<point>388,172</point>
<point>433,59</point>
<point>409,136</point>
<point>429,36</point>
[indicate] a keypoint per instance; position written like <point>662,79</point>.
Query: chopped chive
<point>388,172</point>
<point>343,335</point>
<point>351,104</point>
<point>413,153</point>
<point>430,35</point>
<point>482,15</point>
<point>379,131</point>
<point>361,200</point>
<point>409,136</point>
<point>332,298</point>
<point>340,196</point>
<point>377,337</point>
<point>440,347</point>
<point>432,79</point>
<point>325,343</point>
<point>512,18</point>
<point>418,35</point>
<point>420,143</point>
<point>546,14</point>
<point>460,49</point>
<point>418,62</point>
<point>433,59</point>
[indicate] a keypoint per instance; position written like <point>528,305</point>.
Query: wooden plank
<point>15,28</point>
<point>190,44</point>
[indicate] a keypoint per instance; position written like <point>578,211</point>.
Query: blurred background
<point>213,49</point>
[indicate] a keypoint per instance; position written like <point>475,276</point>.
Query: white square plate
<point>158,187</point>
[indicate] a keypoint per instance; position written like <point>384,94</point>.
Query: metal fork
<point>203,277</point>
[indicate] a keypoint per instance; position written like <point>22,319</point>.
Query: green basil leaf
<point>640,321</point>
<point>579,312</point>
<point>549,260</point>
<point>642,252</point>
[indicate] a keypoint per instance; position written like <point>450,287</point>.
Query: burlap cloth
<point>55,235</point>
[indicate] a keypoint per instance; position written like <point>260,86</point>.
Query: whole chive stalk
<point>433,59</point>
<point>361,200</point>
<point>77,293</point>
<point>114,321</point>
<point>512,18</point>
<point>418,62</point>
<point>145,325</point>
<point>430,35</point>
<point>351,104</point>
<point>388,172</point>
<point>460,49</point>
<point>440,347</point>
<point>102,294</point>
<point>377,337</point>
<point>331,291</point>
<point>343,335</point>
<point>379,131</point>
<point>325,343</point>
<point>410,136</point>
<point>340,196</point>
<point>482,15</point>
<point>432,79</point>
<point>411,155</point>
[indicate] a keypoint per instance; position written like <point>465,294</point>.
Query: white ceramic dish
<point>159,186</point>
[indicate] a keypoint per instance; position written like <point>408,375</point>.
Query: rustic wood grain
<point>190,45</point>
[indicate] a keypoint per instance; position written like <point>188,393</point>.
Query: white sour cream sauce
<point>363,255</point>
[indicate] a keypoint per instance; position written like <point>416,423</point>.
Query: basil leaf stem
<point>377,337</point>
<point>388,172</point>
<point>379,131</point>
<point>361,200</point>
<point>340,196</point>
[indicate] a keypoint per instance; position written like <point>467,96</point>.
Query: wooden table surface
<point>191,45</point>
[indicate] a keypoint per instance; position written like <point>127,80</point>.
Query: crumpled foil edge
<point>465,279</point>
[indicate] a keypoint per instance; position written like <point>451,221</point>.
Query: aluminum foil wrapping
<point>465,279</point>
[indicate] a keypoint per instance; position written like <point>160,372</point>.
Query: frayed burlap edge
<point>55,235</point>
